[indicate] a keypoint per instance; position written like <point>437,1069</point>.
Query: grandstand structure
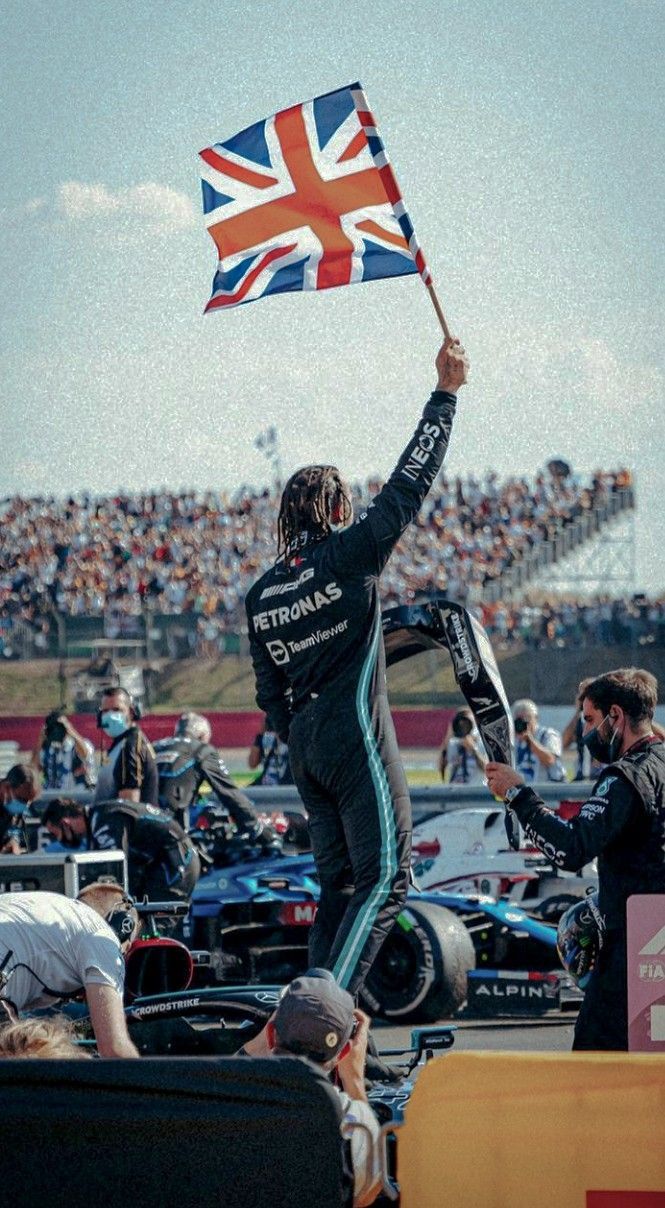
<point>592,556</point>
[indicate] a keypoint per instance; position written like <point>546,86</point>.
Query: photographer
<point>18,790</point>
<point>65,759</point>
<point>537,748</point>
<point>272,755</point>
<point>316,1020</point>
<point>462,754</point>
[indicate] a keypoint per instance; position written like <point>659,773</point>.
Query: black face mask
<point>69,839</point>
<point>603,750</point>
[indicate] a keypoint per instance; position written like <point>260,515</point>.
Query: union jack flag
<point>305,200</point>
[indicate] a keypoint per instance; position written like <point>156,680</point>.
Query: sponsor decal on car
<point>298,914</point>
<point>506,992</point>
<point>166,1007</point>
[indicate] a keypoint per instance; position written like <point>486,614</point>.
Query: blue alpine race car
<point>254,917</point>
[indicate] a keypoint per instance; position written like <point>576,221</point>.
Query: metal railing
<point>569,537</point>
<point>443,797</point>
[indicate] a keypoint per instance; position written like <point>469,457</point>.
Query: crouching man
<point>52,947</point>
<point>317,1020</point>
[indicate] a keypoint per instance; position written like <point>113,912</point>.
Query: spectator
<point>537,748</point>
<point>65,759</point>
<point>52,947</point>
<point>130,771</point>
<point>272,755</point>
<point>18,790</point>
<point>186,762</point>
<point>316,1020</point>
<point>162,862</point>
<point>46,1038</point>
<point>462,754</point>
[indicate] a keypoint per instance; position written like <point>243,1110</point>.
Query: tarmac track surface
<point>553,1033</point>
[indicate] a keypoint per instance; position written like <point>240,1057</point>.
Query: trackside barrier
<point>572,1131</point>
<point>425,799</point>
<point>431,797</point>
<point>171,1133</point>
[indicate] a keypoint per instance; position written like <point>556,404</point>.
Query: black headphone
<point>134,705</point>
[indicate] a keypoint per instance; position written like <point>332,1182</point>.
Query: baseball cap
<point>315,1016</point>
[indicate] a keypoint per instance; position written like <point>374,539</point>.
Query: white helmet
<point>193,725</point>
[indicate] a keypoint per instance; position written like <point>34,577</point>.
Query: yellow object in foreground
<point>510,1130</point>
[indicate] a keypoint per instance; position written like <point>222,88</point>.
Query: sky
<point>528,142</point>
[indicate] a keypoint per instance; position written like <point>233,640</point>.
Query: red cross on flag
<point>304,200</point>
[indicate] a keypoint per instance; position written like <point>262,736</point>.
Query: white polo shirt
<point>56,941</point>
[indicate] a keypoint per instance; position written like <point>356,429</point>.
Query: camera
<point>462,725</point>
<point>54,730</point>
<point>521,725</point>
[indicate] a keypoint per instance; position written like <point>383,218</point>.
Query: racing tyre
<point>420,972</point>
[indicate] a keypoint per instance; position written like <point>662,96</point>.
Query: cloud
<point>157,207</point>
<point>608,377</point>
<point>160,206</point>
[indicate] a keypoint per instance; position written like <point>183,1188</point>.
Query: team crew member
<point>317,648</point>
<point>52,947</point>
<point>622,823</point>
<point>185,762</point>
<point>130,771</point>
<point>162,863</point>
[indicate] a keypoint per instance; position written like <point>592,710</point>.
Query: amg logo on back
<point>420,453</point>
<point>278,589</point>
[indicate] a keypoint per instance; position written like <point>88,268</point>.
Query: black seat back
<point>170,1133</point>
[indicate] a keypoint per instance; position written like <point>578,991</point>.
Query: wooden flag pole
<point>437,306</point>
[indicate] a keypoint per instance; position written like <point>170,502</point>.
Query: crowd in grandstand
<point>636,621</point>
<point>196,552</point>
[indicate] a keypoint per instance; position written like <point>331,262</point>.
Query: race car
<point>253,919</point>
<point>464,851</point>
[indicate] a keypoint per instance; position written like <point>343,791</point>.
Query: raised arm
<point>364,547</point>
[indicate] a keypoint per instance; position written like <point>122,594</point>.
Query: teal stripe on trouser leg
<point>355,942</point>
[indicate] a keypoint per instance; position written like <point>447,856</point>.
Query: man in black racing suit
<point>315,637</point>
<point>622,823</point>
<point>185,762</point>
<point>162,863</point>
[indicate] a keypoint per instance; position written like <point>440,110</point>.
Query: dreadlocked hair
<point>313,500</point>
